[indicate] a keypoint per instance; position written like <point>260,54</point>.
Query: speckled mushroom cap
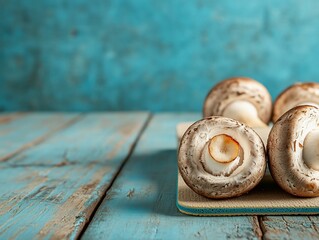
<point>294,95</point>
<point>238,88</point>
<point>285,151</point>
<point>237,177</point>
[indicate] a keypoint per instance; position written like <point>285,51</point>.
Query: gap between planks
<point>145,125</point>
<point>259,225</point>
<point>42,138</point>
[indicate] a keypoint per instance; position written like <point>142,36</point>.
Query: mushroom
<point>293,151</point>
<point>221,158</point>
<point>242,99</point>
<point>295,95</point>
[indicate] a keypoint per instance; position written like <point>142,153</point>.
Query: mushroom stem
<point>223,148</point>
<point>245,112</point>
<point>311,150</point>
<point>263,133</point>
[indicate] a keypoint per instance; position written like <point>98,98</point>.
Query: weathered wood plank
<point>50,191</point>
<point>6,117</point>
<point>84,142</point>
<point>290,227</point>
<point>141,203</point>
<point>21,131</point>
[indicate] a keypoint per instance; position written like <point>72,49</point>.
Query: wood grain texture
<point>10,116</point>
<point>21,131</point>
<point>290,227</point>
<point>51,190</point>
<point>141,203</point>
<point>109,133</point>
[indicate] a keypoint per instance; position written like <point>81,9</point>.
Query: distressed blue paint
<point>50,194</point>
<point>103,135</point>
<point>290,227</point>
<point>141,202</point>
<point>25,210</point>
<point>155,55</point>
<point>54,195</point>
<point>20,131</point>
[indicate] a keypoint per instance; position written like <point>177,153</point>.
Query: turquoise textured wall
<point>160,55</point>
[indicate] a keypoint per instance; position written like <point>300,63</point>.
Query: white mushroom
<point>242,99</point>
<point>296,95</point>
<point>293,150</point>
<point>220,157</point>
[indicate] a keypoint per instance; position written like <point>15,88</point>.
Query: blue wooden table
<point>108,176</point>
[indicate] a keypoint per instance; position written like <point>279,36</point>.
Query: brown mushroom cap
<point>238,88</point>
<point>294,95</point>
<point>242,178</point>
<point>285,151</point>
